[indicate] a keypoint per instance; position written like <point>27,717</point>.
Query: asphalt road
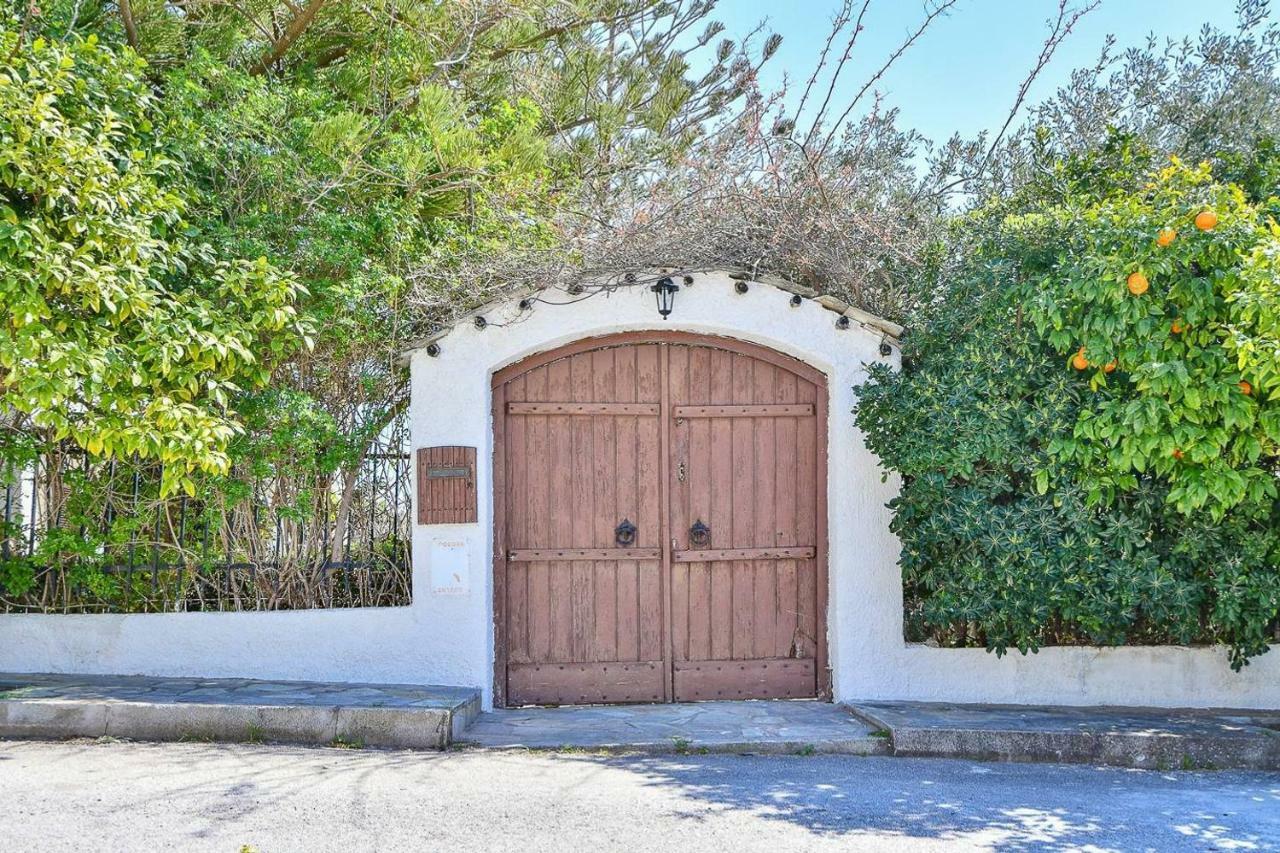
<point>195,797</point>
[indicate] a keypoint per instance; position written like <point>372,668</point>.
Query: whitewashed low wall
<point>1156,676</point>
<point>387,645</point>
<point>875,663</point>
<point>446,635</point>
<point>368,644</point>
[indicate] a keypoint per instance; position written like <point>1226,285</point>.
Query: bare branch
<point>126,18</point>
<point>292,32</point>
<point>1058,32</point>
<point>929,19</point>
<point>837,25</point>
<point>835,75</point>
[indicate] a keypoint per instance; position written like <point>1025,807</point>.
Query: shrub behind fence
<point>81,535</point>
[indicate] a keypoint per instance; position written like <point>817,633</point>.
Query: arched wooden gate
<point>660,523</point>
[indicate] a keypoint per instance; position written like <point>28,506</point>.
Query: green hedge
<point>1127,496</point>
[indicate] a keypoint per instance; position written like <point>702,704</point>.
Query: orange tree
<point>1111,465</point>
<point>1172,294</point>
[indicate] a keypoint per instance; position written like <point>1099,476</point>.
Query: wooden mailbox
<point>446,485</point>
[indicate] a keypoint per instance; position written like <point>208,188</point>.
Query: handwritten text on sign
<point>450,567</point>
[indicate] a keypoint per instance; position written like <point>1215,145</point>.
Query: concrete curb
<point>1250,745</point>
<point>180,721</point>
<point>312,722</point>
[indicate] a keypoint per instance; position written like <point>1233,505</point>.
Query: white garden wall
<point>446,635</point>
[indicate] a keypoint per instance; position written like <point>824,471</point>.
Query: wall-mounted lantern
<point>665,291</point>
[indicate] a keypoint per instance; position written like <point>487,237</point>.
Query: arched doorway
<point>660,523</point>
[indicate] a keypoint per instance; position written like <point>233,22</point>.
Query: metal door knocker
<point>699,534</point>
<point>625,533</point>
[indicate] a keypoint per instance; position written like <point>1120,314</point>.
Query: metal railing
<point>80,535</point>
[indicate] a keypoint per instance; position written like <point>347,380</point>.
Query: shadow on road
<point>1002,806</point>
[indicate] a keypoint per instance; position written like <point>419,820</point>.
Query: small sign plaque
<point>450,567</point>
<point>441,473</point>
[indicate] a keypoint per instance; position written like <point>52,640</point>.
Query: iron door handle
<point>699,534</point>
<point>625,533</point>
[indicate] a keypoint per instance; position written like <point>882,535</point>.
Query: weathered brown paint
<point>662,430</point>
<point>582,408</point>
<point>451,498</point>
<point>526,555</point>
<point>764,411</point>
<point>785,678</point>
<point>712,555</point>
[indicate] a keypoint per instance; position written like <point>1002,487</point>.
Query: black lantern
<point>665,290</point>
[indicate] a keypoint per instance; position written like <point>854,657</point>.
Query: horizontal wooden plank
<point>582,408</point>
<point>583,683</point>
<point>798,410</point>
<point>769,678</point>
<point>713,555</point>
<point>531,555</point>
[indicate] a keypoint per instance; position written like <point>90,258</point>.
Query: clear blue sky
<point>963,73</point>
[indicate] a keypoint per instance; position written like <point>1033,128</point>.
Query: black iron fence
<point>80,535</point>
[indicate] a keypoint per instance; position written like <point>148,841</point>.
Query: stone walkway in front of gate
<point>436,717</point>
<point>764,726</point>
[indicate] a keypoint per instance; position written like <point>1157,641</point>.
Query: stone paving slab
<point>234,709</point>
<point>778,726</point>
<point>1150,738</point>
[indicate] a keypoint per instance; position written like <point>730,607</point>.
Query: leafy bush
<point>1185,375</point>
<point>117,329</point>
<point>1131,501</point>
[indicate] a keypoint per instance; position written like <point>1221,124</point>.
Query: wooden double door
<point>660,511</point>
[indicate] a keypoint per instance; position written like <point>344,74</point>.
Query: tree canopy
<point>1101,348</point>
<point>222,221</point>
<point>122,332</point>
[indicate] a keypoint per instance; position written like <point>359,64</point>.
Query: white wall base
<point>446,636</point>
<point>382,645</point>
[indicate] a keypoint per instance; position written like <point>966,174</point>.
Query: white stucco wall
<point>448,638</point>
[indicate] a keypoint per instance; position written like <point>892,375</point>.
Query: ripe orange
<point>1178,326</point>
<point>1206,220</point>
<point>1110,366</point>
<point>1246,388</point>
<point>1079,362</point>
<point>1165,237</point>
<point>1138,283</point>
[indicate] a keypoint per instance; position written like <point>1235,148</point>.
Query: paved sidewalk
<point>426,717</point>
<point>780,726</point>
<point>233,709</point>
<point>1151,738</point>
